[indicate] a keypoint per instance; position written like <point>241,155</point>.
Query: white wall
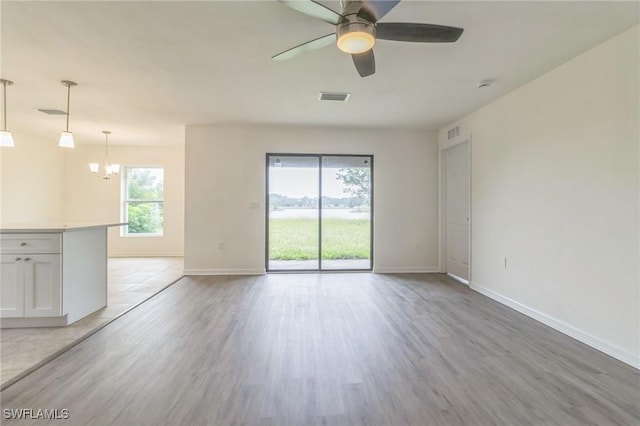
<point>89,198</point>
<point>41,183</point>
<point>555,190</point>
<point>225,173</point>
<point>31,181</point>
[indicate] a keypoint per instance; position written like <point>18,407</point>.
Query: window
<point>143,198</point>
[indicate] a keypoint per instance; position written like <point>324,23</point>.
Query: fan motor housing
<point>352,27</point>
<point>359,28</point>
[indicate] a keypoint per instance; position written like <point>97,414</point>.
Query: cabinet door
<point>11,286</point>
<point>42,285</point>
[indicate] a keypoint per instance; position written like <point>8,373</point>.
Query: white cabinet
<point>30,243</point>
<point>42,289</point>
<point>52,276</point>
<point>11,287</point>
<point>30,278</point>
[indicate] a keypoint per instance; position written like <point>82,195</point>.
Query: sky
<point>296,182</point>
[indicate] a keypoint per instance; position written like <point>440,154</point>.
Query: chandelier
<point>109,169</point>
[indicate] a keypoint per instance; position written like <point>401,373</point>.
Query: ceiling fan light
<point>6,139</point>
<point>66,140</point>
<point>356,42</point>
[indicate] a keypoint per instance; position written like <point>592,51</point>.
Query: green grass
<point>297,239</point>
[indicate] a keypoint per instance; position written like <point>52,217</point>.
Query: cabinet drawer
<point>30,243</point>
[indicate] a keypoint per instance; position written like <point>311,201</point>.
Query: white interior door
<point>457,169</point>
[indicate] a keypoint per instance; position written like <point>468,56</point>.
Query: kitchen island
<point>52,275</point>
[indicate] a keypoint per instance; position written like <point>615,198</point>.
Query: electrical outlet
<point>221,245</point>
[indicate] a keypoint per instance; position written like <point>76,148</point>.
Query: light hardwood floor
<point>330,349</point>
<point>130,281</point>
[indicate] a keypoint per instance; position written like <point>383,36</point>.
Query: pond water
<point>313,214</point>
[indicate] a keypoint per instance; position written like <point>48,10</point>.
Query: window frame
<point>125,201</point>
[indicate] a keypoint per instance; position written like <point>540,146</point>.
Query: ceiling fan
<point>357,29</point>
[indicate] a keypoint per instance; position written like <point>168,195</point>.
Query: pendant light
<point>109,169</point>
<point>66,138</point>
<point>5,136</point>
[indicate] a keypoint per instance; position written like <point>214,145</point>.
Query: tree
<point>357,182</point>
<point>144,184</point>
<point>145,218</point>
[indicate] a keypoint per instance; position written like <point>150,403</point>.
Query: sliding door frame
<point>266,209</point>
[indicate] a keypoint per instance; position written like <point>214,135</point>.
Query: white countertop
<point>53,227</point>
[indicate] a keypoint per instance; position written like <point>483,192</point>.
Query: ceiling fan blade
<point>373,10</point>
<point>421,33</point>
<point>306,47</point>
<point>365,63</point>
<point>313,9</point>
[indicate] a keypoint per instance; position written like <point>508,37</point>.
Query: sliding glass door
<point>319,214</point>
<point>346,212</point>
<point>293,224</point>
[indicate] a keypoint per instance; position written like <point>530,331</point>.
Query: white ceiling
<point>146,69</point>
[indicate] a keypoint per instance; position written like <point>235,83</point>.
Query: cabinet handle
<point>27,259</point>
<point>23,244</point>
<point>18,259</point>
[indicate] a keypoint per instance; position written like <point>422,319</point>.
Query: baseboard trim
<point>457,278</point>
<point>256,271</point>
<point>34,322</point>
<point>404,269</point>
<point>586,338</point>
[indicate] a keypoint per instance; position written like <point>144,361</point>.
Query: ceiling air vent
<point>52,111</point>
<point>334,96</point>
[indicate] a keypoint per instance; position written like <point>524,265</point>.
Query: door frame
<point>442,237</point>
<point>266,210</point>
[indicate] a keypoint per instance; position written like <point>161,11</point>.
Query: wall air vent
<point>452,133</point>
<point>334,96</point>
<point>52,111</point>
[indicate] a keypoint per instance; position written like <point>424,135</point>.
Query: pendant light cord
<point>68,103</point>
<point>106,150</point>
<point>4,95</point>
